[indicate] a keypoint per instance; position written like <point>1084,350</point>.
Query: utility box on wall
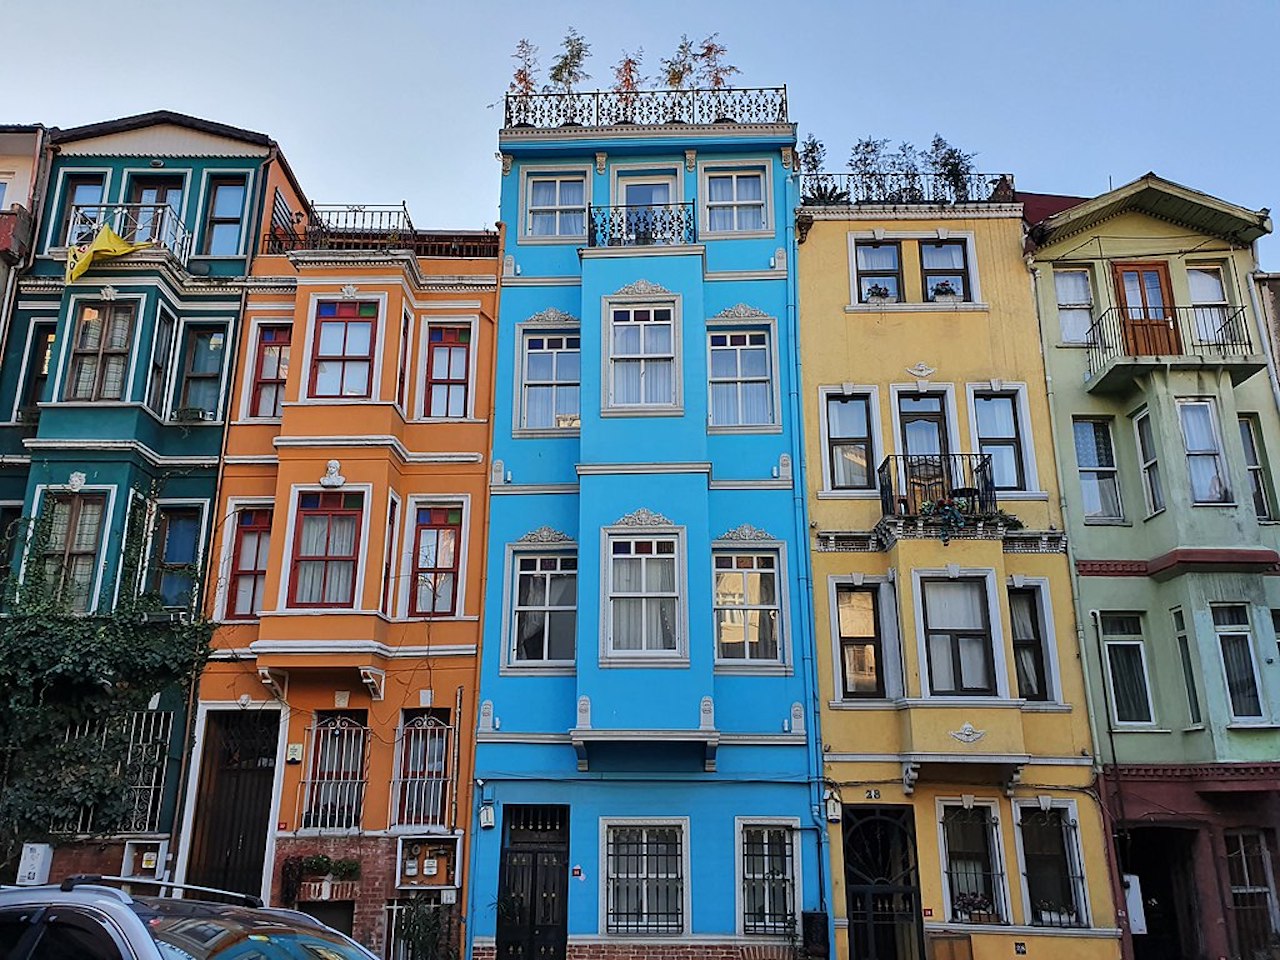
<point>427,862</point>
<point>33,868</point>
<point>144,859</point>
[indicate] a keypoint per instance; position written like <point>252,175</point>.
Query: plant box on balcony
<point>880,301</point>
<point>947,298</point>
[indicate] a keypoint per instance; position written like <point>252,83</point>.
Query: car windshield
<point>184,930</point>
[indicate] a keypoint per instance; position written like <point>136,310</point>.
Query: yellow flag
<point>107,243</point>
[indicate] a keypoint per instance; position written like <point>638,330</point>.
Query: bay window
<point>342,358</point>
<point>436,561</point>
<point>644,596</point>
<point>100,350</point>
<point>325,550</point>
<point>642,357</point>
<point>958,637</point>
<point>747,607</point>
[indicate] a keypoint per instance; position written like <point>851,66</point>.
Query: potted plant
<point>568,71</point>
<point>1056,914</point>
<point>973,908</point>
<point>524,83</point>
<point>316,865</point>
<point>345,870</point>
<point>879,293</point>
<point>944,291</point>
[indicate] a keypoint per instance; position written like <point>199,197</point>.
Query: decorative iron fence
<point>923,485</point>
<point>896,187</point>
<point>1214,330</point>
<point>153,223</point>
<point>423,787</point>
<point>602,108</point>
<point>142,771</point>
<point>647,225</point>
<point>334,788</point>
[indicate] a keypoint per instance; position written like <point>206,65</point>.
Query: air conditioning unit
<point>190,415</point>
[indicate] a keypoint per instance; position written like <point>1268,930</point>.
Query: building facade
<point>956,751</point>
<point>1164,416</point>
<point>328,772</point>
<point>23,164</point>
<point>644,744</point>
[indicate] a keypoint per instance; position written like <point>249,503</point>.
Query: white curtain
<point>543,193</point>
<point>658,381</point>
<point>1023,616</point>
<point>996,417</point>
<point>720,189</point>
<point>882,258</point>
<point>539,406</point>
<point>947,256</point>
<point>724,404</point>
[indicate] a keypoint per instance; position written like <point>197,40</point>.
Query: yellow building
<point>956,740</point>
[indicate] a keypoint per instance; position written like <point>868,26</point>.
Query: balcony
<point>16,229</point>
<point>157,224</point>
<point>374,227</point>
<point>896,188</point>
<point>939,495</point>
<point>606,108</point>
<point>1126,343</point>
<point>423,791</point>
<point>651,225</point>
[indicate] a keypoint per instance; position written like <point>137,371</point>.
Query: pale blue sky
<point>383,100</point>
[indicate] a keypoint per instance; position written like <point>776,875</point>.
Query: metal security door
<point>882,884</point>
<point>533,884</point>
<point>233,806</point>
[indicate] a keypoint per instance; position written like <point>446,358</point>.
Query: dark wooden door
<point>233,805</point>
<point>1146,310</point>
<point>882,883</point>
<point>533,882</point>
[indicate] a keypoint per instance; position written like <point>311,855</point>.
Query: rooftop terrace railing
<point>896,187</point>
<point>373,227</point>
<point>606,108</point>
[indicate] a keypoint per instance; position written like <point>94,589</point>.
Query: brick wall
<point>377,883</point>
<point>102,857</point>
<point>663,951</point>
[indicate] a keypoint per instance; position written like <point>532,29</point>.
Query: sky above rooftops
<point>379,101</point>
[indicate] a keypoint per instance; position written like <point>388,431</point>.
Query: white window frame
<point>1149,465</point>
<point>679,657</point>
<point>307,356</point>
<point>872,393</point>
<point>159,406</point>
<point>178,362</point>
<point>247,212</point>
<point>1060,304</point>
<point>56,233</point>
<point>1219,452</point>
<point>28,345</point>
<point>686,905</point>
<point>891,646</point>
<point>417,388</point>
<point>553,172</point>
<point>975,301</point>
<point>1223,305</point>
<point>1187,657</point>
<point>108,518</point>
<point>1071,811</point>
<point>777,549</point>
<point>999,659</point>
<point>1114,469</point>
<point>674,408</point>
<point>408,540</point>
<point>1030,488</point>
<point>1235,630</point>
<point>736,168</point>
<point>740,826</point>
<point>997,853</point>
<point>948,391</point>
<point>769,327</point>
<point>1256,471</point>
<point>68,347</point>
<point>226,555</point>
<point>1055,694</point>
<point>1123,639</point>
<point>519,408</point>
<point>511,665</point>
<point>362,552</point>
<point>199,578</point>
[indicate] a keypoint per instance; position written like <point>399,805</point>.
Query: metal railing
<point>334,788</point>
<point>1213,330</point>
<point>896,187</point>
<point>422,790</point>
<point>142,771</point>
<point>156,223</point>
<point>642,225</point>
<point>603,108</point>
<point>373,227</point>
<point>927,485</point>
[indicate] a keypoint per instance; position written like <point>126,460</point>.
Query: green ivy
<point>68,685</point>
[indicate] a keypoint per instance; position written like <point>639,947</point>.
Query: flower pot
<point>881,301</point>
<point>947,298</point>
<point>983,916</point>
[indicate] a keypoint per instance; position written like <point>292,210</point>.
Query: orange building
<point>347,569</point>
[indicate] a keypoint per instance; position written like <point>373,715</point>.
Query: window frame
<point>156,568</point>
<point>679,656</point>
<point>159,369</point>
<point>996,862</point>
<point>1113,471</point>
<point>876,641</point>
<point>258,381</point>
<point>1218,453</point>
<point>1182,637</point>
<point>292,559</point>
<point>416,571</point>
<point>740,827</point>
<point>1070,305</point>
<point>996,668</point>
<point>1138,640</point>
<point>1041,639</point>
<point>387,593</point>
<point>24,397</point>
<point>1074,853</point>
<point>210,220</point>
<point>559,551</point>
<point>1021,442</point>
<point>70,180</point>
<point>831,392</point>
<point>768,327</point>
<point>759,549</point>
<point>428,379</point>
<point>404,592</point>
<point>1149,462</point>
<point>189,332</point>
<point>108,309</point>
<point>686,916</point>
<point>973,300</point>
<point>1239,834</point>
<point>232,571</point>
<point>1245,630</point>
<point>874,275</point>
<point>373,358</point>
<point>966,296</point>
<point>1216,309</point>
<point>667,408</point>
<point>1255,464</point>
<point>559,173</point>
<point>45,497</point>
<point>524,333</point>
<point>738,168</point>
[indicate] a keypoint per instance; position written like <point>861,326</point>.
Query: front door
<point>1164,861</point>
<point>533,883</point>
<point>1146,310</point>
<point>882,883</point>
<point>233,805</point>
<point>926,476</point>
<point>649,216</point>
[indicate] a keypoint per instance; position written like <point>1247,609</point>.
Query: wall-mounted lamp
<point>832,803</point>
<point>486,816</point>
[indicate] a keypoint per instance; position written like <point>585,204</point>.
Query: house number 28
<point>873,794</point>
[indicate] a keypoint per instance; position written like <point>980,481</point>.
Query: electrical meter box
<point>427,862</point>
<point>33,868</point>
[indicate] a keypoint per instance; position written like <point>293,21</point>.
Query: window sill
<point>1253,725</point>
<point>864,703</point>
<point>763,428</point>
<point>1154,514</point>
<point>922,307</point>
<point>530,241</point>
<point>1194,728</point>
<point>736,234</point>
<point>1228,505</point>
<point>445,420</point>
<point>565,669</point>
<point>731,668</point>
<point>1107,522</point>
<point>530,433</point>
<point>654,411</point>
<point>1126,728</point>
<point>1022,495</point>
<point>257,421</point>
<point>1041,706</point>
<point>951,700</point>
<point>1072,346</point>
<point>656,663</point>
<point>848,494</point>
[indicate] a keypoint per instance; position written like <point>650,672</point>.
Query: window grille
<point>423,784</point>
<point>768,880</point>
<point>1054,873</point>
<point>1253,893</point>
<point>336,781</point>
<point>142,771</point>
<point>976,885</point>
<point>646,880</point>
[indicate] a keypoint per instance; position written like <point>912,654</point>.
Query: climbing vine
<point>70,683</point>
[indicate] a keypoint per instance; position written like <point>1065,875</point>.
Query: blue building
<point>645,743</point>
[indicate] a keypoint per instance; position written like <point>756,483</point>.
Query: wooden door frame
<point>1118,267</point>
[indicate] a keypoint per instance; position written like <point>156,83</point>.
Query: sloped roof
<point>1165,200</point>
<point>156,118</point>
<point>1040,206</point>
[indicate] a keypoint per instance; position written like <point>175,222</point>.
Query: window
<point>861,644</point>
<point>851,454</point>
<point>647,214</point>
<point>747,611</point>
<point>642,356</point>
<point>70,552</point>
<point>1253,891</point>
<point>552,373</point>
<point>958,638</point>
<point>336,781</point>
<point>422,778</point>
<point>325,549</point>
<point>557,207</point>
<point>1151,485</point>
<point>879,271</point>
<point>448,367</point>
<point>735,201</point>
<point>100,352</point>
<point>1028,645</point>
<point>1096,461</point>
<point>39,358</point>
<point>1188,671</point>
<point>4,187</point>
<point>1231,624</point>
<point>643,596</point>
<point>389,554</point>
<point>402,372</point>
<point>154,211</point>
<point>222,224</point>
<point>741,379</point>
<point>546,609</point>
<point>1251,438</point>
<point>437,540</point>
<point>80,211</point>
<point>161,356</point>
<point>271,370</point>
<point>13,534</point>
<point>1204,452</point>
<point>343,361</point>
<point>974,881</point>
<point>1052,865</point>
<point>768,879</point>
<point>1075,305</point>
<point>251,545</point>
<point>645,879</point>
<point>996,415</point>
<point>1127,668</point>
<point>69,933</point>
<point>1209,306</point>
<point>175,544</point>
<point>944,270</point>
<point>202,379</point>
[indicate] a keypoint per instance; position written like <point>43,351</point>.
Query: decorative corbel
<point>273,680</point>
<point>374,680</point>
<point>690,160</point>
<point>601,159</point>
<point>910,774</point>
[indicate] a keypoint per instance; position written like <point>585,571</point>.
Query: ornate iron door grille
<point>882,884</point>
<point>533,881</point>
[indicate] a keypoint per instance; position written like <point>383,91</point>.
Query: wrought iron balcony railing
<point>893,187</point>
<point>929,485</point>
<point>135,222</point>
<point>604,108</point>
<point>423,790</point>
<point>1214,330</point>
<point>366,227</point>
<point>658,224</point>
